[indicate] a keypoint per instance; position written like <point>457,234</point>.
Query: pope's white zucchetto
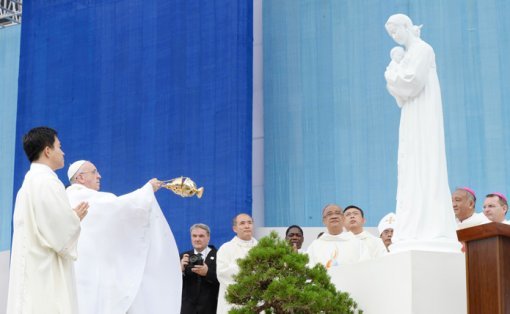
<point>74,167</point>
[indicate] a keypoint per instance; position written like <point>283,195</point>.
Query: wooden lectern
<point>487,268</point>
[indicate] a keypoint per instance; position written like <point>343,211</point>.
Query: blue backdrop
<point>330,126</point>
<point>146,89</point>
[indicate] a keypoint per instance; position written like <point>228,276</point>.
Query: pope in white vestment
<point>229,253</point>
<point>45,233</point>
<point>129,262</point>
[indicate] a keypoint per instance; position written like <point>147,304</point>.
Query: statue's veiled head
<point>401,28</point>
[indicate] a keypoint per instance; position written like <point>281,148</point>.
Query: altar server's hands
<point>81,210</point>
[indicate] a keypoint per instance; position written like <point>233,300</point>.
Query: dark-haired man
<point>229,253</point>
<point>354,222</point>
<point>294,235</point>
<point>45,233</point>
<point>495,207</point>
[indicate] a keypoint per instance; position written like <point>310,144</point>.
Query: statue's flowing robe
<point>424,206</point>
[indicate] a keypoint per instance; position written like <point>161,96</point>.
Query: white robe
<point>226,267</point>
<point>374,246</point>
<point>335,250</point>
<point>128,259</point>
<point>474,220</point>
<point>46,230</point>
<point>424,206</point>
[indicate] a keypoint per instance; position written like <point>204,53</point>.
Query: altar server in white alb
<point>354,222</point>
<point>229,253</point>
<point>46,231</point>
<point>129,262</point>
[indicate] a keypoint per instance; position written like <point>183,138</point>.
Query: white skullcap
<point>387,222</point>
<point>73,168</point>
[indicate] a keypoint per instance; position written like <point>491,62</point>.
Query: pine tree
<point>275,279</point>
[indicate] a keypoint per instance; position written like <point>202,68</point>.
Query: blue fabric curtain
<point>146,89</point>
<point>9,65</point>
<point>331,128</point>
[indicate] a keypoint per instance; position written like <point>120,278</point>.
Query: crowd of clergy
<point>127,259</point>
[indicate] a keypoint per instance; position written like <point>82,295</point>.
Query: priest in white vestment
<point>45,233</point>
<point>354,222</point>
<point>464,206</point>
<point>129,262</point>
<point>336,247</point>
<point>229,253</point>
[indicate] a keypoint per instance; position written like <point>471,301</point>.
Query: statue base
<point>408,282</point>
<point>435,245</point>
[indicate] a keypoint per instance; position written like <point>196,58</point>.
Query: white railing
<point>10,12</point>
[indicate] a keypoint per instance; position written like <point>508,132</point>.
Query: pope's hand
<point>156,184</point>
<point>81,210</point>
<point>200,269</point>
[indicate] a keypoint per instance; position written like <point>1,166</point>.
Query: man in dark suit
<point>199,285</point>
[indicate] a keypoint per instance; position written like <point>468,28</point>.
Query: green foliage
<point>275,279</point>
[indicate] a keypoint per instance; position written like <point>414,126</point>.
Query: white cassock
<point>335,250</point>
<point>226,267</point>
<point>128,259</point>
<point>475,220</point>
<point>46,231</point>
<point>424,205</point>
<point>374,246</point>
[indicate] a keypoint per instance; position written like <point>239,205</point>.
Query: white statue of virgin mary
<point>425,217</point>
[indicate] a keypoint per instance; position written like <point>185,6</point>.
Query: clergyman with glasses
<point>127,253</point>
<point>354,222</point>
<point>336,247</point>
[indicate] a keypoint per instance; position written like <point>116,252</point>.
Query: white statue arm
<point>412,73</point>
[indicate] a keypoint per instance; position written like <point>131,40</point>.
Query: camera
<point>195,259</point>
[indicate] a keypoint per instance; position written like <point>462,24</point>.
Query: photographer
<point>199,285</point>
